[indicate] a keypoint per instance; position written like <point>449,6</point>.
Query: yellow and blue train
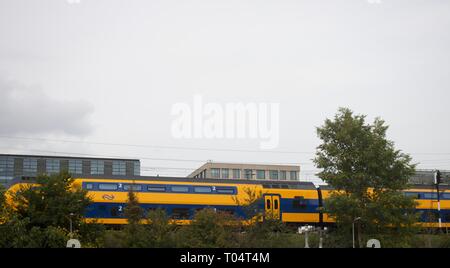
<point>293,202</point>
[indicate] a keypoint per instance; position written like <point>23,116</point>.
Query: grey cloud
<point>25,109</point>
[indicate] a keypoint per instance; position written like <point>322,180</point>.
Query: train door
<point>272,206</point>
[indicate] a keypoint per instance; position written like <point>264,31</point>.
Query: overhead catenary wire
<point>147,158</point>
<point>154,146</point>
<point>182,147</point>
<point>438,163</point>
<point>179,159</point>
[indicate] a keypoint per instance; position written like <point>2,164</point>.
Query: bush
<point>208,230</point>
<point>268,233</point>
<point>113,239</point>
<point>160,231</point>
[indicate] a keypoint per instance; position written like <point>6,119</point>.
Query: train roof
<point>265,183</point>
<point>411,186</point>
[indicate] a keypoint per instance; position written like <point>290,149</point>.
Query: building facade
<point>13,166</point>
<point>247,171</point>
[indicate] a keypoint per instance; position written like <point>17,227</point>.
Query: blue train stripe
<point>116,210</point>
<point>432,215</point>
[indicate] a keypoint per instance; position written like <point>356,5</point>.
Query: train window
<point>445,196</point>
<point>202,189</point>
<point>431,216</point>
<point>114,211</point>
<point>156,188</point>
<point>226,211</point>
<point>180,213</point>
<point>180,189</point>
<point>430,195</point>
<point>132,187</point>
<point>275,204</point>
<point>447,217</point>
<point>225,191</point>
<point>198,210</point>
<point>413,195</point>
<point>155,209</point>
<point>89,186</point>
<point>299,202</point>
<point>107,186</point>
<point>268,204</point>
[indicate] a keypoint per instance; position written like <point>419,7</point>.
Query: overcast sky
<point>110,70</point>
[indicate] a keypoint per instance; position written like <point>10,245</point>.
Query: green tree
<point>252,204</point>
<point>54,202</point>
<point>209,229</point>
<point>17,233</point>
<point>267,234</point>
<point>160,231</point>
<point>136,235</point>
<point>41,213</point>
<point>133,211</point>
<point>368,174</point>
<point>3,211</point>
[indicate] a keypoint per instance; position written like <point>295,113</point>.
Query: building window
<point>225,173</point>
<point>137,168</point>
<point>97,167</point>
<point>215,173</point>
<point>236,173</point>
<point>75,166</point>
<point>29,167</point>
<point>6,167</point>
<point>293,175</point>
<point>274,174</point>
<point>248,174</point>
<point>52,165</point>
<point>260,174</point>
<point>282,174</point>
<point>119,168</point>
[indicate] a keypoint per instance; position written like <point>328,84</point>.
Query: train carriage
<point>293,202</point>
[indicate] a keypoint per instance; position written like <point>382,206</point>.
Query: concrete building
<point>13,166</point>
<point>247,171</point>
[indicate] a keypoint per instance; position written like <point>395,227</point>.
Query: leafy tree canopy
<point>40,214</point>
<point>367,171</point>
<point>52,201</point>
